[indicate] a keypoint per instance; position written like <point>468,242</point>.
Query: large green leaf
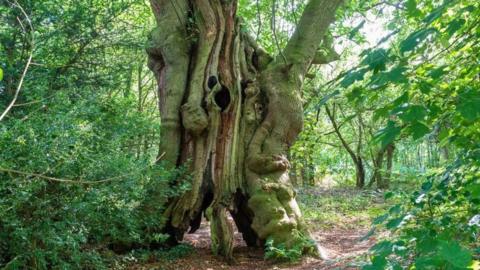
<point>395,75</point>
<point>378,263</point>
<point>355,95</point>
<point>412,41</point>
<point>353,76</point>
<point>429,262</point>
<point>387,134</point>
<point>396,222</point>
<point>418,130</point>
<point>383,248</point>
<point>452,252</point>
<point>413,113</point>
<point>412,9</point>
<point>376,59</point>
<point>474,190</point>
<point>435,14</point>
<point>427,244</point>
<point>468,104</point>
<point>437,72</point>
<point>455,25</point>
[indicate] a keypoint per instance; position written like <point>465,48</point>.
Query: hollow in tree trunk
<point>230,113</point>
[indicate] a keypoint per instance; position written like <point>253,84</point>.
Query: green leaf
<point>468,104</point>
<point>425,87</point>
<point>401,99</point>
<point>326,98</point>
<point>454,26</point>
<point>355,95</point>
<point>352,76</point>
<point>429,262</point>
<point>1,74</point>
<point>395,223</point>
<point>412,10</point>
<point>388,195</point>
<point>412,113</point>
<point>378,263</point>
<point>411,42</point>
<point>437,72</point>
<point>418,130</point>
<point>456,255</point>
<point>427,244</point>
<point>474,190</point>
<point>376,59</point>
<point>435,14</point>
<point>395,209</point>
<point>383,248</point>
<point>381,113</point>
<point>427,185</point>
<point>387,134</point>
<point>356,30</point>
<point>395,75</point>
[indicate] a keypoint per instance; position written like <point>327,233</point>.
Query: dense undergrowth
<point>78,170</point>
<point>70,188</point>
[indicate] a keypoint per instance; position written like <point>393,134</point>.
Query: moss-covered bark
<point>231,112</point>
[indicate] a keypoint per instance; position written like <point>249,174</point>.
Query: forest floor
<point>339,218</point>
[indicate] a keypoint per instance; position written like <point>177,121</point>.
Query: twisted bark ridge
<point>230,112</point>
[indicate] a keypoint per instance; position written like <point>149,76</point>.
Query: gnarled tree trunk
<point>230,112</point>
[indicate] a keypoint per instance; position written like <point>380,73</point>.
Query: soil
<point>343,247</point>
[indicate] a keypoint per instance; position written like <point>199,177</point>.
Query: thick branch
<point>313,25</point>
<point>339,135</point>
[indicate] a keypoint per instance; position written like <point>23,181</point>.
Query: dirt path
<point>343,246</point>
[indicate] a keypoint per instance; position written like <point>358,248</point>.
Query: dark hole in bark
<point>222,98</point>
<point>212,81</point>
<point>244,84</point>
<point>195,223</point>
<point>243,218</point>
<point>255,59</point>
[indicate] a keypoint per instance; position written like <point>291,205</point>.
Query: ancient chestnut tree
<point>230,112</point>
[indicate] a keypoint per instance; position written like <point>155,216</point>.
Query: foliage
<point>282,253</point>
<point>431,68</point>
<point>342,208</point>
<point>77,165</point>
<point>87,113</point>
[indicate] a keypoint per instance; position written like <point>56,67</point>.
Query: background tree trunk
<point>388,175</point>
<point>356,156</point>
<point>377,162</point>
<point>230,113</point>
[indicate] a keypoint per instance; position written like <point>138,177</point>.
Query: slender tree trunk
<point>388,174</point>
<point>377,168</point>
<point>360,173</point>
<point>355,156</point>
<point>230,112</point>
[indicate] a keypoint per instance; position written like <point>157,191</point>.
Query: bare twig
<point>273,24</point>
<point>259,18</point>
<point>27,65</point>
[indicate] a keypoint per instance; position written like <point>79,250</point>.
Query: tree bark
<point>377,161</point>
<point>355,156</point>
<point>388,175</point>
<point>230,113</point>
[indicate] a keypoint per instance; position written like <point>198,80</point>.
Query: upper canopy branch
<point>313,25</point>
